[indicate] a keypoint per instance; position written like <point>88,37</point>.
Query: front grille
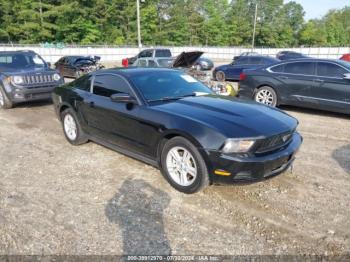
<point>274,142</point>
<point>38,79</point>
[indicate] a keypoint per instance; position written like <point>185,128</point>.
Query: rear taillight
<point>125,62</point>
<point>242,76</point>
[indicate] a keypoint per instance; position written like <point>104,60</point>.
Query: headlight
<point>237,146</point>
<point>56,77</point>
<point>17,80</point>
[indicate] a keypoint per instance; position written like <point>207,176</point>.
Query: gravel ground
<point>59,199</point>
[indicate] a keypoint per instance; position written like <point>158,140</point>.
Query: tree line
<point>170,22</point>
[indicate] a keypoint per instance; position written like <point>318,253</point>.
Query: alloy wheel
<point>70,127</point>
<point>220,76</point>
<point>264,96</point>
<point>181,166</point>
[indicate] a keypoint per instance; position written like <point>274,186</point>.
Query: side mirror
<point>347,76</point>
<point>123,98</point>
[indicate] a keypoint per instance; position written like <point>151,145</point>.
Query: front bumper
<point>25,94</point>
<point>253,168</point>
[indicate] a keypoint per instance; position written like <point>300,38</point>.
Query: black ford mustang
<point>168,119</point>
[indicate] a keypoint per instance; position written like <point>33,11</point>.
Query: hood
<point>231,117</point>
<point>187,59</point>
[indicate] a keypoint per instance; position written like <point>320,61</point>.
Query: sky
<point>318,8</point>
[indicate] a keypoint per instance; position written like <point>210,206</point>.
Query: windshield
<point>165,62</point>
<point>21,60</point>
<point>171,84</point>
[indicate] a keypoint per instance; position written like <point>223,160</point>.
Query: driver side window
<point>241,61</point>
<point>106,85</point>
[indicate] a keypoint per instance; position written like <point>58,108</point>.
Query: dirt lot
<point>60,199</point>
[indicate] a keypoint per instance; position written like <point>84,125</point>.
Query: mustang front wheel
<point>183,166</point>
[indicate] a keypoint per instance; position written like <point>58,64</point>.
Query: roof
<point>16,52</point>
<point>155,49</point>
<point>310,59</point>
<point>337,61</point>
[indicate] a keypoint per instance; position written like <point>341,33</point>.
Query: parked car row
<point>191,62</point>
<point>157,57</point>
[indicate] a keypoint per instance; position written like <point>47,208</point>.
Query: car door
<point>332,90</point>
<point>142,63</point>
<point>297,81</point>
<point>254,62</point>
<point>152,63</point>
<point>235,69</point>
<point>112,122</point>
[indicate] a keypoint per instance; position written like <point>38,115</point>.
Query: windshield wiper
<point>169,98</point>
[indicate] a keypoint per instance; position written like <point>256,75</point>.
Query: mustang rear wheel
<point>266,95</point>
<point>183,166</point>
<point>72,129</point>
<point>5,103</point>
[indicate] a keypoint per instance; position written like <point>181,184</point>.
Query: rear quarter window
<point>300,68</point>
<point>277,69</point>
<point>330,70</point>
<point>163,53</point>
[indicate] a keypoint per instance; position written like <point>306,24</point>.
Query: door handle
<point>319,80</point>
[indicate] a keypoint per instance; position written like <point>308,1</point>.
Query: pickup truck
<point>147,53</point>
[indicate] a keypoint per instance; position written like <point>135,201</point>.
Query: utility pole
<point>41,13</point>
<point>255,18</point>
<point>138,24</point>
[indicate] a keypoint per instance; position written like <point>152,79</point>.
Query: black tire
<point>271,98</point>
<point>202,179</point>
<point>5,102</point>
<point>80,137</point>
<point>220,76</point>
